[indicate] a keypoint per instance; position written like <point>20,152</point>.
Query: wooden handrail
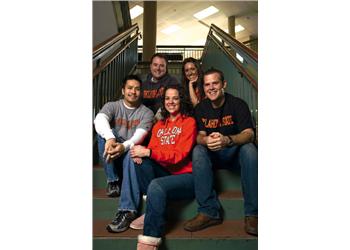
<point>114,39</point>
<point>112,57</point>
<point>235,61</point>
<point>229,39</point>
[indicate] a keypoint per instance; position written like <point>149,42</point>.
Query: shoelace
<point>120,217</point>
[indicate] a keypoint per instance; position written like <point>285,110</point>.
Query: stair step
<point>224,179</point>
<point>229,235</point>
<point>231,201</point>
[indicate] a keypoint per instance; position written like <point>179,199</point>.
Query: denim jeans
<point>160,185</point>
<point>110,168</point>
<point>243,158</point>
<point>130,192</point>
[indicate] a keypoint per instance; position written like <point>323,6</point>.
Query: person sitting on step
<point>192,80</point>
<point>155,82</point>
<point>165,170</point>
<point>131,123</point>
<point>225,139</point>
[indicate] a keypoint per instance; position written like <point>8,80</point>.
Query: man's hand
<point>113,149</point>
<point>116,151</point>
<point>109,145</point>
<point>216,141</point>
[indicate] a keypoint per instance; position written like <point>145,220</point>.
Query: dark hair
<point>160,55</point>
<point>212,71</point>
<point>185,104</point>
<point>131,77</point>
<point>200,76</point>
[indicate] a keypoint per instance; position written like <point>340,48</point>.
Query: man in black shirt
<point>225,138</point>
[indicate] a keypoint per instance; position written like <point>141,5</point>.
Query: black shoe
<point>121,221</point>
<point>113,189</point>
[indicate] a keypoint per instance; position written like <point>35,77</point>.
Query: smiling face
<point>132,93</point>
<point>214,87</point>
<point>172,102</point>
<point>191,71</point>
<point>158,67</point>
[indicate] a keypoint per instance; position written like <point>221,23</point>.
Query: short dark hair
<point>212,71</point>
<point>185,104</point>
<point>131,77</point>
<point>160,55</point>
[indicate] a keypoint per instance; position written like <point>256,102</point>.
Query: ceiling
<point>192,32</point>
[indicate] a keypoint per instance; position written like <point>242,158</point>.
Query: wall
<point>104,22</point>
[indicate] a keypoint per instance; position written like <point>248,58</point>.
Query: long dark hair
<point>185,104</point>
<point>185,81</point>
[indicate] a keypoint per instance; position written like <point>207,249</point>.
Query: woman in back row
<point>192,80</point>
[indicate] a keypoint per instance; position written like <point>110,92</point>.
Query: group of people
<point>166,139</point>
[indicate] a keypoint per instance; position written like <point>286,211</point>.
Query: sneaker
<point>251,225</point>
<point>113,189</point>
<point>138,223</point>
<point>200,222</point>
<point>121,222</point>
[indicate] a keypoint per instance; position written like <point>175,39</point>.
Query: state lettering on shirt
<point>215,123</point>
<point>153,93</point>
<point>128,124</point>
<point>167,135</point>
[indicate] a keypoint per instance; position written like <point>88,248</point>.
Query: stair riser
<point>179,210</point>
<point>176,244</point>
<point>224,180</point>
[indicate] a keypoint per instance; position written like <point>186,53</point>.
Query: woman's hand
<point>137,160</point>
<point>139,151</point>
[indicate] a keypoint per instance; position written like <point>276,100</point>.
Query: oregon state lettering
<point>153,93</point>
<point>215,123</point>
<point>167,135</point>
<point>129,124</point>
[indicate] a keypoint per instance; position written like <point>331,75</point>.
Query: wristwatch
<point>230,143</point>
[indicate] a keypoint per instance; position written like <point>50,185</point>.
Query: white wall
<point>104,21</point>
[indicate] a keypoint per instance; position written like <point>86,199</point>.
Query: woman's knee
<point>155,189</point>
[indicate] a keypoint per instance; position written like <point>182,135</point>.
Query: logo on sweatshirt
<point>167,135</point>
<point>215,123</point>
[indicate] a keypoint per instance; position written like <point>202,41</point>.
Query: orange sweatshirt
<point>171,144</point>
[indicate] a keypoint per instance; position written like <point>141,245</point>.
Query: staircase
<point>118,57</point>
<point>227,236</point>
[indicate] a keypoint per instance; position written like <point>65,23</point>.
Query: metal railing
<point>176,53</point>
<point>112,61</point>
<point>238,62</point>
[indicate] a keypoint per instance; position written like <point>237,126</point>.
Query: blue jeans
<point>130,192</point>
<point>243,158</point>
<point>160,185</point>
<point>109,167</point>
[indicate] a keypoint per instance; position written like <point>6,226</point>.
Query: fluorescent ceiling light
<point>239,28</point>
<point>206,12</point>
<point>136,11</point>
<point>171,29</point>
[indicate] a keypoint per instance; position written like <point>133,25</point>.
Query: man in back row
<point>225,139</point>
<point>156,80</point>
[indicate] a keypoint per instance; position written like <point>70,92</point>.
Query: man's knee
<point>248,155</point>
<point>199,151</point>
<point>249,150</point>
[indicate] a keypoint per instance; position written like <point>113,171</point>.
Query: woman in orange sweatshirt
<point>166,168</point>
